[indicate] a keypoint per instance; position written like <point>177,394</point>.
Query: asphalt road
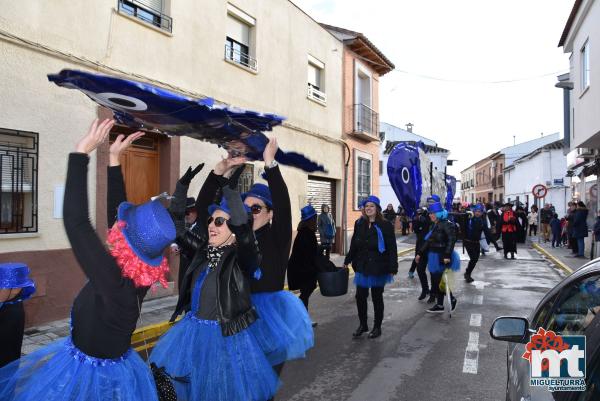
<point>420,356</point>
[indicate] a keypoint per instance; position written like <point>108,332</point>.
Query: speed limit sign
<point>539,191</point>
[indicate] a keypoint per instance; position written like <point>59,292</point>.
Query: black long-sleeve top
<point>441,240</point>
<point>474,227</point>
<point>106,310</point>
<point>274,239</point>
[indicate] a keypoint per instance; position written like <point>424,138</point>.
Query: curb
<point>552,258</point>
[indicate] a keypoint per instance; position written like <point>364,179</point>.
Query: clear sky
<point>465,45</point>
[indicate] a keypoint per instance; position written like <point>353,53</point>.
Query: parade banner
<point>143,106</point>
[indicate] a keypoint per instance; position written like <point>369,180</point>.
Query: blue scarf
<point>380,241</point>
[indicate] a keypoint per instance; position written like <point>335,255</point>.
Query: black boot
<point>360,330</point>
<point>376,332</point>
<point>423,295</point>
<point>468,278</point>
<point>432,298</point>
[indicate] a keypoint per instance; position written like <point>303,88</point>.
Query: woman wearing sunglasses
<point>284,329</point>
<point>212,345</point>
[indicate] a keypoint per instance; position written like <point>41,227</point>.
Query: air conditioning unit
<point>586,152</point>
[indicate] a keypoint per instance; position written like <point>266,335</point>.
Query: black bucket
<point>333,284</point>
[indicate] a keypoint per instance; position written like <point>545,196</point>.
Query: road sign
<point>539,191</point>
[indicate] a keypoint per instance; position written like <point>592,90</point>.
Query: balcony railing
<point>317,95</point>
<point>241,58</point>
<point>145,13</point>
<point>366,122</point>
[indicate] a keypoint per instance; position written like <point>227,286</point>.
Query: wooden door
<point>141,170</point>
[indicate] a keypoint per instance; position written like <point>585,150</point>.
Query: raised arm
<point>93,258</point>
<point>282,209</point>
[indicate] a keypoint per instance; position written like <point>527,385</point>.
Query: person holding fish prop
<point>439,250</point>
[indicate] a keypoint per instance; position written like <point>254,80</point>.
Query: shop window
<point>18,191</point>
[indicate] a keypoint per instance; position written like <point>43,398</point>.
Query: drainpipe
<point>345,201</point>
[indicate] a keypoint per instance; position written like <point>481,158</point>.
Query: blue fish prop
<point>413,180</point>
<point>143,106</point>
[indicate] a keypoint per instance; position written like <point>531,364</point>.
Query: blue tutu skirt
<point>218,368</point>
<point>60,371</point>
<point>283,328</point>
<point>435,265</point>
<point>365,281</point>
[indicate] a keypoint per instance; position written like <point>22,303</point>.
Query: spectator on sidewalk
<point>15,287</point>
<point>555,227</point>
<point>532,219</point>
<point>597,228</point>
<point>546,216</point>
<point>390,214</point>
<point>580,228</point>
<point>570,222</point>
<point>564,237</point>
<point>327,230</point>
<point>404,223</point>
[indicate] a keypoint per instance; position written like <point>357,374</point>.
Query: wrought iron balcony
<point>241,58</point>
<point>366,122</point>
<point>316,94</point>
<point>145,13</point>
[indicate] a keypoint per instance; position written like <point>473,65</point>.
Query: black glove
<point>189,175</point>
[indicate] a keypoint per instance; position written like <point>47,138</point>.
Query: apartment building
<point>267,56</point>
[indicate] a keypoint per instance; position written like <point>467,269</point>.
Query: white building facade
<point>546,166</point>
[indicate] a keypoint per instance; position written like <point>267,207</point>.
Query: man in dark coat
<point>421,226</point>
<point>580,228</point>
<point>474,226</point>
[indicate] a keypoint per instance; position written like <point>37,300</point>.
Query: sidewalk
<point>561,256</point>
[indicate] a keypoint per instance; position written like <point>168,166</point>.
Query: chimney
<point>409,127</point>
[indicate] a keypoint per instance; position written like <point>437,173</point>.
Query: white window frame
<point>317,94</point>
<point>362,155</point>
<point>585,65</point>
<point>246,19</point>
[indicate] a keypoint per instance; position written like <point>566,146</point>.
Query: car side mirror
<point>512,329</point>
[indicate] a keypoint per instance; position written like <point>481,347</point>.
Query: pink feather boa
<point>132,267</point>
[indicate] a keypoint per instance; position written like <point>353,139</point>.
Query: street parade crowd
<point>239,325</point>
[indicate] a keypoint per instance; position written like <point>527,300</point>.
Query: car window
<point>576,306</point>
<point>542,314</point>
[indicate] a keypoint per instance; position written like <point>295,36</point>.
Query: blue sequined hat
<point>372,199</point>
<point>222,206</point>
<point>16,275</point>
<point>435,207</point>
<point>478,208</point>
<point>307,212</point>
<point>260,191</point>
<point>433,199</point>
<point>149,229</point>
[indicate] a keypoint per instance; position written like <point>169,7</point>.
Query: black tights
<point>361,304</point>
<point>277,369</point>
<point>305,293</point>
<point>473,249</point>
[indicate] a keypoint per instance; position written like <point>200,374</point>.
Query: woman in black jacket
<point>96,361</point>
<point>284,329</point>
<point>211,344</point>
<point>302,267</point>
<point>374,257</point>
<point>439,250</point>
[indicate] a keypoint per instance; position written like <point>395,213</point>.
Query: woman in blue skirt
<point>439,249</point>
<point>96,363</point>
<point>212,345</point>
<point>374,257</point>
<point>283,329</point>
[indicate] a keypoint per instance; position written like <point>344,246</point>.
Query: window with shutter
<point>150,11</point>
<point>238,46</point>
<point>18,190</point>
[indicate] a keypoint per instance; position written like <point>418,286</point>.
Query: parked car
<point>572,307</point>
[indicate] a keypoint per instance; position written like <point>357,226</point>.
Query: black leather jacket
<point>234,306</point>
<point>441,240</point>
